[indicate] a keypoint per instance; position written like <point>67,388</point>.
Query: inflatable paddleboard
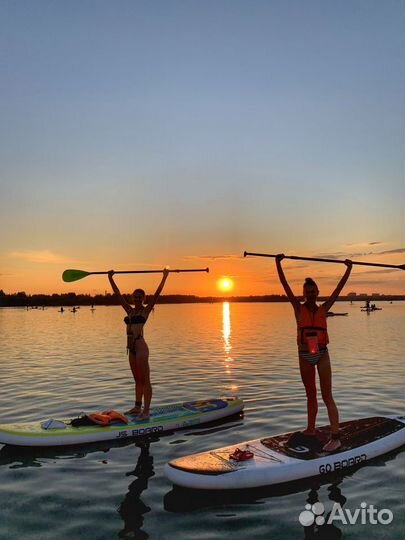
<point>163,418</point>
<point>280,459</point>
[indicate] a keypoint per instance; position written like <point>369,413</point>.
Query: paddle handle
<point>317,259</point>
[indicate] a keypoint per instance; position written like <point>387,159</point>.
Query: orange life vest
<point>106,418</point>
<point>312,324</point>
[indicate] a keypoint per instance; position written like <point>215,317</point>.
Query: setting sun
<point>225,284</point>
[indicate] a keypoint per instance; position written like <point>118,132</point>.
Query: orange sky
<point>185,144</point>
<point>41,273</point>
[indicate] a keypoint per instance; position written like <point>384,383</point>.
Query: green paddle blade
<point>74,275</point>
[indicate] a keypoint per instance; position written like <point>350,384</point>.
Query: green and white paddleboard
<point>163,418</point>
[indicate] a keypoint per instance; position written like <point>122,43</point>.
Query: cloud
<point>387,252</point>
<point>40,256</point>
<point>363,244</point>
<point>338,255</point>
<point>211,257</point>
<point>352,255</point>
<point>341,255</point>
<point>397,250</point>
<point>137,265</point>
<point>299,266</point>
<point>381,271</point>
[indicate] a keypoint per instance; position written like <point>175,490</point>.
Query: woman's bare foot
<point>133,411</point>
<point>332,445</point>
<point>142,417</point>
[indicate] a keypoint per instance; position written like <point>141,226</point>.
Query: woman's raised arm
<point>290,295</point>
<point>331,300</point>
<point>116,290</point>
<point>158,290</point>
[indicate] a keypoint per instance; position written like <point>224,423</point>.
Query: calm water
<point>58,365</point>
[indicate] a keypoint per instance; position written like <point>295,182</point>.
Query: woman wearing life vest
<point>137,348</point>
<point>312,339</point>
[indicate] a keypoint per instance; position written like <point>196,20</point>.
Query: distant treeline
<point>22,299</point>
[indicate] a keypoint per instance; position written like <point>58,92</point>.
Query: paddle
<point>75,275</point>
<point>398,266</point>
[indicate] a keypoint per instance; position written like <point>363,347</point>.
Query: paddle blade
<point>74,275</point>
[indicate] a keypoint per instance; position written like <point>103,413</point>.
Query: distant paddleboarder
<point>312,339</point>
<point>137,348</point>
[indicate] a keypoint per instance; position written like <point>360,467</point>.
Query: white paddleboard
<point>277,460</point>
<point>163,418</point>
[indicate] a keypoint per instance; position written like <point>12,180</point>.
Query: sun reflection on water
<point>226,334</point>
<point>226,329</point>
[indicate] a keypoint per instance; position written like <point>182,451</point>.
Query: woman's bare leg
<point>325,379</point>
<point>138,386</point>
<point>307,371</point>
<point>143,374</point>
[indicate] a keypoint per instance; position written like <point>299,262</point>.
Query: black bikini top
<point>134,319</point>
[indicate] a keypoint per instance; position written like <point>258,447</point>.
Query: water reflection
<point>226,329</point>
<point>180,500</point>
<point>183,500</point>
<point>51,359</point>
<point>17,457</point>
<point>319,528</point>
<point>226,334</point>
<point>132,508</point>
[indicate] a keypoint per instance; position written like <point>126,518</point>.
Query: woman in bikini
<point>137,348</point>
<point>312,338</point>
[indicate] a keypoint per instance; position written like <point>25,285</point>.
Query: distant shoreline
<point>72,299</point>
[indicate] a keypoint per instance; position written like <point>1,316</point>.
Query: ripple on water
<point>58,365</point>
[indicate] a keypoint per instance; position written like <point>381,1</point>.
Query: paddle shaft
<point>151,271</point>
<point>400,267</point>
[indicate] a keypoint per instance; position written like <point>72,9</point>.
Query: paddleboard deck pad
<point>288,457</point>
<point>163,418</point>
